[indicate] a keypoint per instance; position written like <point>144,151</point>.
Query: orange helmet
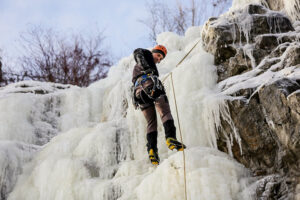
<point>160,49</point>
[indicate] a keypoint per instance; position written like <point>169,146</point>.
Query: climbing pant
<point>162,106</point>
<point>149,106</point>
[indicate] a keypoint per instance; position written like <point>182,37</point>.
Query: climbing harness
<point>149,91</point>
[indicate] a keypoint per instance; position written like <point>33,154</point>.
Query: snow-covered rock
<point>260,71</point>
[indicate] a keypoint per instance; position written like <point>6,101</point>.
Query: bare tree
<point>8,75</point>
<point>159,18</point>
<point>5,77</point>
<point>1,73</point>
<point>50,57</point>
<point>180,19</point>
<point>162,17</point>
<point>2,80</point>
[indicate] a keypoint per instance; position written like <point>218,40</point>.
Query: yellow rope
<point>174,95</point>
<point>182,59</point>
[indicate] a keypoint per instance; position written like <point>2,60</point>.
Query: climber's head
<point>159,52</point>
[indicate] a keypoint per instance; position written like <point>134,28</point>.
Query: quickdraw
<point>142,79</point>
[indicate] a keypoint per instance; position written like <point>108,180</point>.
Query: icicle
<point>292,7</point>
<point>248,50</point>
<point>225,114</point>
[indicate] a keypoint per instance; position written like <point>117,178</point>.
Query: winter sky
<point>118,18</point>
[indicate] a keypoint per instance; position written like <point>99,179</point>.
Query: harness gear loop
<point>133,98</point>
<point>156,84</point>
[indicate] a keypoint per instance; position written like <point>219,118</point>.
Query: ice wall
<point>31,114</point>
<point>99,151</point>
<point>236,4</point>
<point>290,7</point>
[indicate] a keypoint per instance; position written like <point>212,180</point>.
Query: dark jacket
<point>144,62</point>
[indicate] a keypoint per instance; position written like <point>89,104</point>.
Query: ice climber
<point>149,95</point>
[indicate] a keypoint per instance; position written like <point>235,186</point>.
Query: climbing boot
<point>152,147</point>
<point>170,129</point>
<point>153,156</point>
<point>172,143</point>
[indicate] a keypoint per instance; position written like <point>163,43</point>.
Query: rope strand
<point>182,59</point>
<point>184,169</point>
<point>174,95</point>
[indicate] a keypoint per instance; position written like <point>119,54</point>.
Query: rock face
<point>292,7</point>
<point>289,7</point>
<point>225,38</point>
<point>257,53</point>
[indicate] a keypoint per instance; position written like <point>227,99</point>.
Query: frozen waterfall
<point>89,143</point>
